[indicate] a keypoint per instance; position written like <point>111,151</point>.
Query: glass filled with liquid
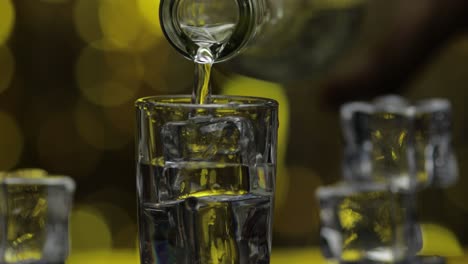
<point>206,179</point>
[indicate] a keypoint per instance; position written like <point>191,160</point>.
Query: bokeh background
<point>70,71</point>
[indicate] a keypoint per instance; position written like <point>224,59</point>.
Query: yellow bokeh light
<point>61,150</point>
<point>7,67</point>
<point>94,128</point>
<point>87,21</point>
<point>116,24</point>
<point>122,24</point>
<point>122,226</point>
<point>119,21</point>
<point>108,79</point>
<point>149,10</point>
<point>104,257</point>
<point>112,93</point>
<point>125,66</point>
<point>7,19</point>
<point>439,241</point>
<point>89,230</point>
<point>11,141</point>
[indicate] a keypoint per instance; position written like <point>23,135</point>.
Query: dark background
<point>71,70</point>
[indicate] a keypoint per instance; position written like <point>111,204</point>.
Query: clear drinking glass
<point>206,179</point>
<point>34,213</point>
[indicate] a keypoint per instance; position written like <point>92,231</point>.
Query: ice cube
<point>367,222</point>
<point>209,139</point>
<point>35,211</point>
<point>390,140</point>
<point>377,144</point>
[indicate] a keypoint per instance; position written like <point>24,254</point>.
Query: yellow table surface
<point>279,256</point>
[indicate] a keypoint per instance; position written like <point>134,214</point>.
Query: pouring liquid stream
<point>208,32</point>
<point>210,40</point>
<point>202,88</point>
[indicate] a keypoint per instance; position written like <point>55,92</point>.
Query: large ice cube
<point>390,140</point>
<point>367,222</point>
<point>34,210</point>
<point>209,139</point>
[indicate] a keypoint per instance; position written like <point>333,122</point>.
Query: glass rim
<point>238,102</point>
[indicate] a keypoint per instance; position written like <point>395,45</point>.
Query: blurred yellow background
<point>70,71</point>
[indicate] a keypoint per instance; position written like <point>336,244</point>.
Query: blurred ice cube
<point>367,222</point>
<point>34,210</point>
<point>209,139</point>
<point>391,140</point>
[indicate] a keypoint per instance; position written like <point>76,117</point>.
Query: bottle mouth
<point>225,39</point>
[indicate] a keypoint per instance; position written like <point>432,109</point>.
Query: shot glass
<point>367,223</point>
<point>206,179</point>
<point>34,217</point>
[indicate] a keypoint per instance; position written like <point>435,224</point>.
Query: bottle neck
<point>226,26</point>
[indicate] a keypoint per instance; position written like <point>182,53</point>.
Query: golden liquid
<point>202,89</point>
<point>200,181</point>
<point>206,214</point>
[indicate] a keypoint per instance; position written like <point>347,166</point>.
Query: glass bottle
<point>280,39</point>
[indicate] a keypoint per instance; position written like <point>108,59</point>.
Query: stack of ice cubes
<point>392,151</point>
